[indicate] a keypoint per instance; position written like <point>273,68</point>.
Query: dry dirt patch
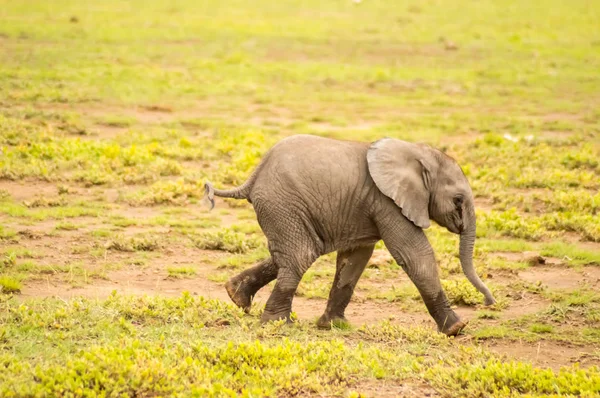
<point>562,278</point>
<point>127,282</point>
<point>389,389</point>
<point>548,353</point>
<point>26,190</point>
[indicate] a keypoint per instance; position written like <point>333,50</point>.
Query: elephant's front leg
<point>243,287</point>
<point>350,265</point>
<point>410,248</point>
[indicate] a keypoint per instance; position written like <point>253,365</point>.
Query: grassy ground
<point>113,114</point>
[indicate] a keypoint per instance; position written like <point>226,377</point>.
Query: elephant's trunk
<point>467,242</point>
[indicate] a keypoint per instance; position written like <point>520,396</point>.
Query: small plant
<point>396,294</point>
<point>541,328</point>
<point>240,260</point>
<point>64,190</point>
<point>461,292</point>
<point>45,202</point>
<point>117,121</point>
<point>387,332</point>
<point>67,226</point>
<point>571,253</point>
<point>6,234</point>
<point>145,243</point>
<point>181,272</point>
<point>510,223</point>
<point>8,260</point>
<point>167,192</point>
<point>487,315</point>
<point>219,277</point>
<point>136,243</point>
<point>226,240</point>
<point>341,324</point>
<point>581,298</point>
<point>9,285</point>
<point>492,377</point>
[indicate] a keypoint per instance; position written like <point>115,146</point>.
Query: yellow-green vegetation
<point>113,115</point>
<point>136,243</point>
<point>185,345</point>
<point>572,253</point>
<point>9,285</point>
<point>181,272</point>
<point>226,240</point>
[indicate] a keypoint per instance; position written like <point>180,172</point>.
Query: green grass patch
<point>462,292</point>
<point>571,253</point>
<point>6,233</point>
<point>242,260</point>
<point>9,285</point>
<point>226,240</point>
<point>541,328</point>
<point>143,242</point>
<point>503,378</point>
<point>117,121</point>
<point>67,226</point>
<point>510,223</point>
<point>503,245</point>
<point>57,213</point>
<point>167,193</point>
<point>483,314</point>
<point>181,272</point>
<point>157,345</point>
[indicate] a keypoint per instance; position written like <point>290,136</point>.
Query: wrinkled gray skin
<point>314,195</point>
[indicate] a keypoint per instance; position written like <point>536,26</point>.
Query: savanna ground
<point>113,114</point>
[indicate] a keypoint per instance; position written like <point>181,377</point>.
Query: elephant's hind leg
<point>350,265</point>
<point>292,266</point>
<point>243,287</point>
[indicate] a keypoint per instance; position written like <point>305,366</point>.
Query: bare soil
<point>153,282</point>
<point>563,278</point>
<point>389,389</point>
<point>545,353</point>
<point>27,190</point>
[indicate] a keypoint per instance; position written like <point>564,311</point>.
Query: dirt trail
<point>146,282</point>
<point>136,282</point>
<point>549,354</point>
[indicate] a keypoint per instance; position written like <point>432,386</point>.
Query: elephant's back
<point>316,164</point>
<point>323,183</point>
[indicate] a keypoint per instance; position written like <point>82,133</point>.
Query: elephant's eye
<point>458,201</point>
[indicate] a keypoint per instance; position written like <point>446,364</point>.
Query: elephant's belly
<point>349,234</point>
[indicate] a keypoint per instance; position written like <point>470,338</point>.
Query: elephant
<point>314,195</point>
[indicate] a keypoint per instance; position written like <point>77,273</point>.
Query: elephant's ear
<point>401,170</point>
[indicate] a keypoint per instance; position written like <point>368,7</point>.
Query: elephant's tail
<point>241,192</point>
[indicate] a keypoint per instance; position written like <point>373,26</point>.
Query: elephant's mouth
<point>455,229</point>
<point>455,224</point>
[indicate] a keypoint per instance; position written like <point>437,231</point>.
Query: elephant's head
<point>427,184</point>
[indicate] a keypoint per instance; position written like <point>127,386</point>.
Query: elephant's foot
<point>455,329</point>
<point>238,292</point>
<point>489,301</point>
<point>269,316</point>
<point>452,326</point>
<point>325,321</point>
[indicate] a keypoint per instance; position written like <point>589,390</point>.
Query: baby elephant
<point>315,195</point>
